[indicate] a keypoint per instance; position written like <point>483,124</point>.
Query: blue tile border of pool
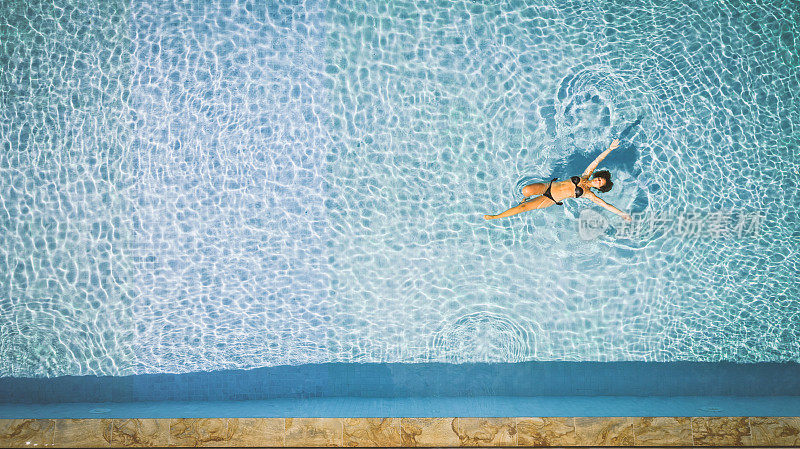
<point>419,407</point>
<point>764,386</point>
<point>396,380</point>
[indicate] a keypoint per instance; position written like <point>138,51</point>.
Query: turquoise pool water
<point>487,406</point>
<point>193,186</point>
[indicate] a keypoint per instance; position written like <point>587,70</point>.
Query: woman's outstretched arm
<point>600,158</point>
<point>599,201</point>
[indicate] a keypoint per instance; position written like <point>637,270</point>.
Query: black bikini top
<point>578,190</point>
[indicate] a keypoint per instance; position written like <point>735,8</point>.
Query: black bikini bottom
<point>547,192</point>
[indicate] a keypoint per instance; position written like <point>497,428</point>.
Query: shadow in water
<point>627,131</point>
<point>622,159</point>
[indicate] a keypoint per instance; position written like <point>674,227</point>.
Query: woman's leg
<point>534,189</point>
<point>536,203</point>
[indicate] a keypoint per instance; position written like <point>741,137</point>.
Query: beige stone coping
<point>402,432</point>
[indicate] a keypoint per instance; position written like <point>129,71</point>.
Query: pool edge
<point>404,432</point>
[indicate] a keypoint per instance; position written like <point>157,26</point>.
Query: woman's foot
<point>488,217</point>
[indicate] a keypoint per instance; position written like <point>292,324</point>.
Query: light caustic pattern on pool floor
<point>217,185</point>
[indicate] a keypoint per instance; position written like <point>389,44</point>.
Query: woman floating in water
<point>577,186</point>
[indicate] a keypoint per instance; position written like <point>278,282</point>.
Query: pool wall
<point>431,404</point>
<point>399,380</point>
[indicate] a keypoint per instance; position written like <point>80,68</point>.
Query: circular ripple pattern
<point>483,337</point>
<point>192,186</point>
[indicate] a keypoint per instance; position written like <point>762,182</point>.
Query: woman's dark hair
<point>605,174</point>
